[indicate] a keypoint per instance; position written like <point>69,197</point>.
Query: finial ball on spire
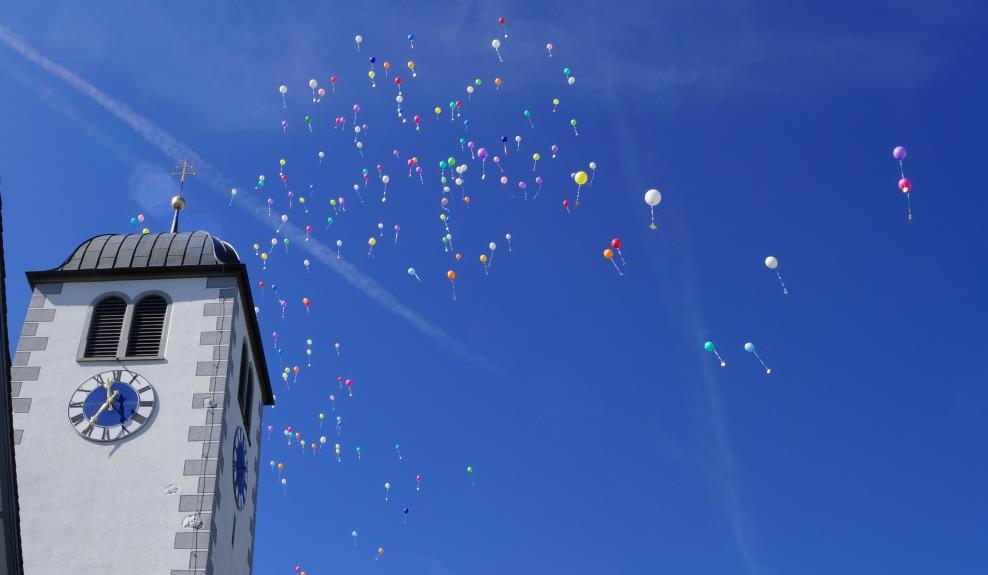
<point>178,203</point>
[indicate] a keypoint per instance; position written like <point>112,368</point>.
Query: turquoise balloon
<point>709,346</point>
<point>567,71</point>
<point>528,113</point>
<point>329,220</point>
<point>749,347</point>
<point>443,165</point>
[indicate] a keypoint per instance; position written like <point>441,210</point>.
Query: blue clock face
<point>111,405</point>
<point>240,468</point>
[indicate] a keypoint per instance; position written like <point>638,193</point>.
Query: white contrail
<point>723,453</point>
<point>178,151</point>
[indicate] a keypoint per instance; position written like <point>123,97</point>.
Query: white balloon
<point>593,165</point>
<point>339,243</point>
<point>571,80</point>
<point>322,154</point>
<point>399,98</point>
<point>496,43</point>
<point>385,178</point>
<point>493,246</point>
<point>360,145</point>
<point>283,89</point>
<point>518,139</point>
<point>469,89</point>
<point>507,237</point>
<point>653,197</point>
<point>284,218</point>
<point>306,264</point>
<point>771,263</point>
<point>358,38</point>
<point>313,84</point>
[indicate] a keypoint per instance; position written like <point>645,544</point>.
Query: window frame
<point>129,321</point>
<point>245,389</point>
<point>130,303</point>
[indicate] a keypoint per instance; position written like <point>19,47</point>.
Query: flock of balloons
<point>454,177</point>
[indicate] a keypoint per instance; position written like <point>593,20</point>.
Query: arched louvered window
<point>105,327</point>
<point>146,327</point>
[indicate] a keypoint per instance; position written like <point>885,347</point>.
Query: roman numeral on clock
<point>77,418</point>
<point>139,418</point>
<point>143,389</point>
<point>75,404</point>
<point>106,435</point>
<point>147,403</point>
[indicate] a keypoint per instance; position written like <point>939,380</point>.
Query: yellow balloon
<point>264,256</point>
<point>411,65</point>
<point>257,247</point>
<point>301,200</point>
<point>581,178</point>
<point>555,101</point>
<point>282,161</point>
<point>483,258</point>
<point>146,231</point>
<point>371,242</point>
<point>438,110</point>
<point>442,217</point>
<point>371,74</point>
<point>536,157</point>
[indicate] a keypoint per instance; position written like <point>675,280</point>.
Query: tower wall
<point>144,504</point>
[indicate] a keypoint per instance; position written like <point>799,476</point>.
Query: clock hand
<point>106,405</point>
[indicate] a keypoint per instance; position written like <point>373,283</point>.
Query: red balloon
<point>284,177</point>
<point>565,203</point>
<point>398,80</point>
<point>340,379</point>
<point>410,163</point>
<point>380,167</point>
<point>349,383</point>
<point>616,244</point>
<point>308,229</point>
<point>459,103</point>
<point>417,118</point>
<point>261,284</point>
<point>332,79</point>
<point>905,185</point>
<point>500,20</point>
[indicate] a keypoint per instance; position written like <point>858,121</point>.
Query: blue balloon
<point>466,122</point>
<point>411,37</point>
<point>329,219</point>
<point>504,139</point>
<point>373,59</point>
<point>133,221</point>
<point>312,187</point>
<point>749,347</point>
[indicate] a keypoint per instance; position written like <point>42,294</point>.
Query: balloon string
<point>767,369</point>
<point>454,290</point>
<point>782,283</point>
<point>620,273</point>
<point>909,209</point>
<point>719,358</point>
<point>623,263</point>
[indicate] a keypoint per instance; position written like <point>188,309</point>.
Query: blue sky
<point>603,437</point>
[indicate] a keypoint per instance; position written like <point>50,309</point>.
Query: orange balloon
<point>380,550</point>
<point>497,81</point>
<point>466,199</point>
<point>608,254</point>
<point>281,466</point>
<point>451,275</point>
<point>296,369</point>
<point>411,65</point>
<point>387,65</point>
<point>483,258</point>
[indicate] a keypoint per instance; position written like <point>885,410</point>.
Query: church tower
<point>138,385</point>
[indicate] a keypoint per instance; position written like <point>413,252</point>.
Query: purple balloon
<point>554,148</point>
<point>470,145</point>
<point>482,153</point>
<point>356,107</point>
<point>899,153</point>
<point>418,169</point>
<point>522,185</point>
<point>397,227</point>
<point>538,180</point>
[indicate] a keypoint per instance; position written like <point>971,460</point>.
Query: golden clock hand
<point>106,405</point>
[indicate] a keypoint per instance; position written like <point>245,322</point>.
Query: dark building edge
<point>13,563</point>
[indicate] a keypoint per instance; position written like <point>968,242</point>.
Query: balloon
<point>580,178</point>
<point>905,185</point>
<point>496,43</point>
<point>616,243</point>
<point>709,346</point>
<point>451,275</point>
<point>608,254</point>
<point>899,153</point>
<point>313,84</point>
<point>571,80</point>
<point>283,89</point>
<point>750,348</point>
<point>653,197</point>
<point>771,263</point>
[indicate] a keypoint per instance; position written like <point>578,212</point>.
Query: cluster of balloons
<point>899,153</point>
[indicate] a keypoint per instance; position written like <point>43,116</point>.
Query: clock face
<point>111,405</point>
<point>240,467</point>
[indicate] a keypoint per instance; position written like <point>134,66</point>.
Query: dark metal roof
<point>143,251</point>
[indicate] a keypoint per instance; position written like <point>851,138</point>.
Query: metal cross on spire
<point>182,171</point>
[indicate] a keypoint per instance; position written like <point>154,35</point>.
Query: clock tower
<point>138,384</point>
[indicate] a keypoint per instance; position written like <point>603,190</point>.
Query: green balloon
<point>477,82</point>
<point>572,122</point>
<point>286,241</point>
<point>451,161</point>
<point>709,346</point>
<point>469,469</point>
<point>445,240</point>
<point>444,180</point>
